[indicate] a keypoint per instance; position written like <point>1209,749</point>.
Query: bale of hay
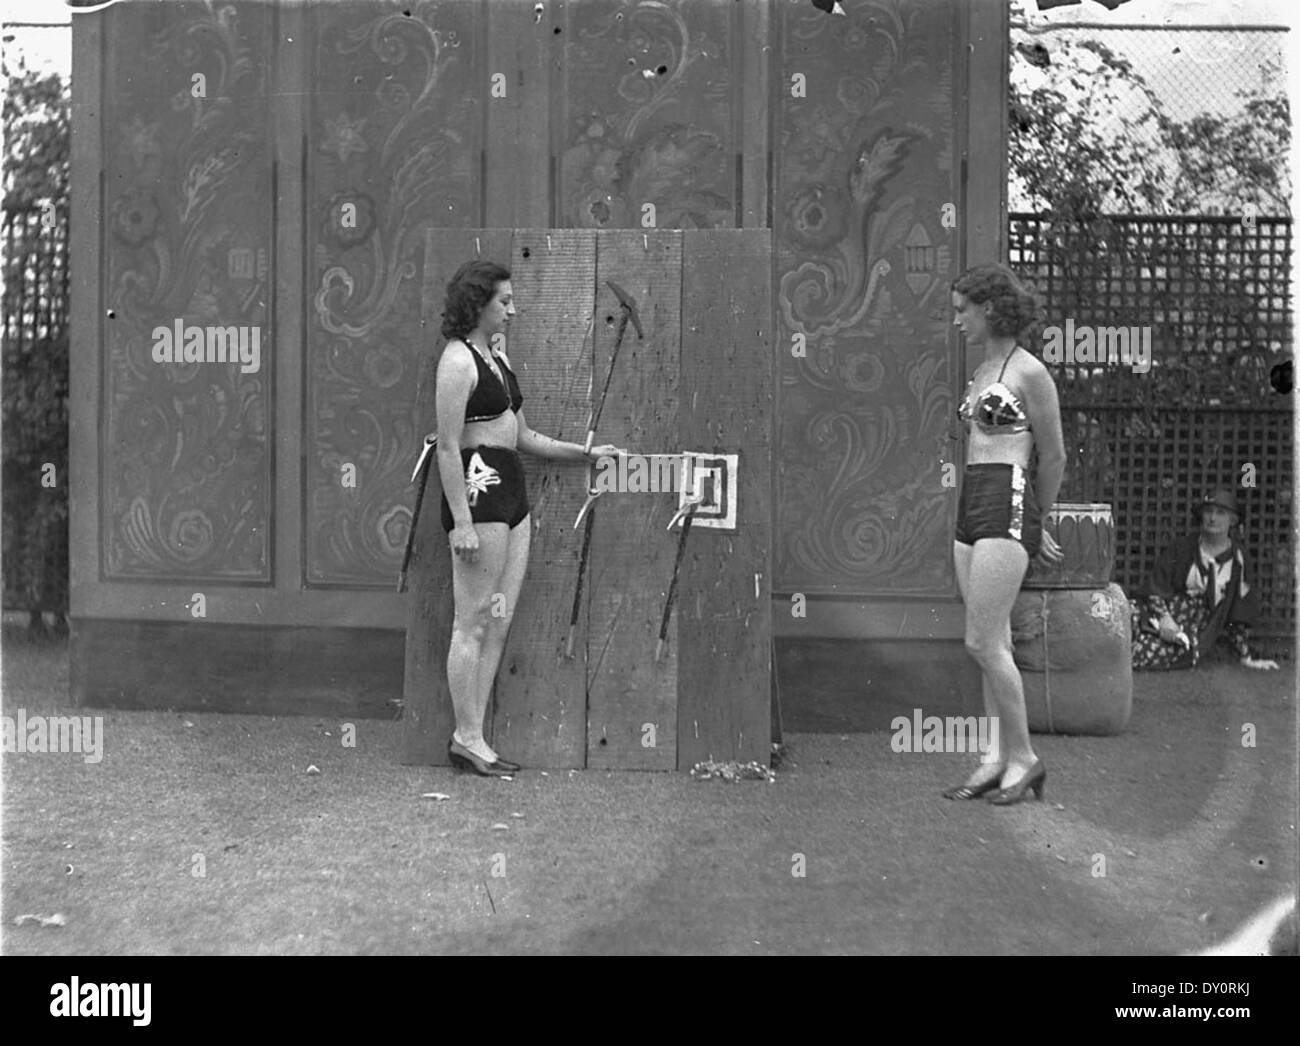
<point>1074,651</point>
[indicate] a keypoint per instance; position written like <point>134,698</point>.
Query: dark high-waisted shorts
<point>494,486</point>
<point>997,501</point>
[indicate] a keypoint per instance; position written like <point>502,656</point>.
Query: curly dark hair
<point>467,293</point>
<point>1016,306</point>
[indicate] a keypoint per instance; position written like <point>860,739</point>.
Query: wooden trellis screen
<point>36,277</point>
<point>35,331</point>
<point>1214,292</point>
<point>701,380</point>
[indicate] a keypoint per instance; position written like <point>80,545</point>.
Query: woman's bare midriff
<point>499,432</point>
<point>1014,449</point>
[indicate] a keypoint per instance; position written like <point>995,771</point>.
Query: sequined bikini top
<point>997,410</point>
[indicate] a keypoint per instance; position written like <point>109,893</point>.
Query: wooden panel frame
<point>703,309</point>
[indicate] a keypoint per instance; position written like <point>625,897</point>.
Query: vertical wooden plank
<point>631,552</point>
<point>541,696</point>
<point>85,255</point>
<point>983,217</point>
<point>518,143</point>
<point>724,611</point>
<point>752,106</point>
<point>290,120</point>
<point>428,719</point>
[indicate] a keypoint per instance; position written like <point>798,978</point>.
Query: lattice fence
<point>36,277</point>
<point>34,325</point>
<point>1212,296</point>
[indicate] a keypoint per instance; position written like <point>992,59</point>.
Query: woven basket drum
<point>1086,534</point>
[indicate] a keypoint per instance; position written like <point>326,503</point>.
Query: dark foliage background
<point>1125,216</point>
<point>34,387</point>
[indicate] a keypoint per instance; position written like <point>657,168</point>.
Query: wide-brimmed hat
<point>1224,498</point>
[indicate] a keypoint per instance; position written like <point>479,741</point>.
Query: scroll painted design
<point>393,150</point>
<point>864,169</point>
<point>647,115</point>
<point>188,237</point>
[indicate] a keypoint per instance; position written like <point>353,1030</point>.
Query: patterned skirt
<point>1150,652</point>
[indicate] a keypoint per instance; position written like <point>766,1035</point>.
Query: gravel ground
<point>205,834</point>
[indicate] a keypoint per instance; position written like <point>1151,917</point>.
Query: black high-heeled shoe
<point>1031,782</point>
<point>966,791</point>
<point>463,759</point>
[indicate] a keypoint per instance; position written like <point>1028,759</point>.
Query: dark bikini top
<point>490,398</point>
<point>997,410</point>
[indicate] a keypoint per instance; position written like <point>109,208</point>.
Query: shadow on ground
<point>205,834</point>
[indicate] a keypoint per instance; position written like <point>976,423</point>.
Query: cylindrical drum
<point>1074,651</point>
<point>1086,534</point>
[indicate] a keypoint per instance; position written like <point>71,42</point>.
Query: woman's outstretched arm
<point>535,443</point>
<point>541,446</point>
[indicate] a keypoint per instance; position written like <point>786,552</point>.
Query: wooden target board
<point>699,379</point>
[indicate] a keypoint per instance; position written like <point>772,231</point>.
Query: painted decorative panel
<point>864,167</point>
<point>188,237</point>
<point>647,114</point>
<point>393,148</point>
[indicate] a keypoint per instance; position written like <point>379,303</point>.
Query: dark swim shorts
<point>494,486</point>
<point>997,501</point>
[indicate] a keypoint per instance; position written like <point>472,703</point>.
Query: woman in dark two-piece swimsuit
<point>999,518</point>
<point>481,430</point>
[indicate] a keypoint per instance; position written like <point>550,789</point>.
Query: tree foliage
<point>1088,135</point>
<point>34,389</point>
<point>1240,158</point>
<point>1073,149</point>
<point>1090,140</point>
<point>37,123</point>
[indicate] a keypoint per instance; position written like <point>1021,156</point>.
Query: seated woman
<point>1196,595</point>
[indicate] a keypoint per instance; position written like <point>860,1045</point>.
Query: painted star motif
<point>142,139</point>
<point>344,137</point>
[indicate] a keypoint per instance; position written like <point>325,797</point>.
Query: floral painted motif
<point>403,151</point>
<point>349,218</point>
<point>185,459</point>
<point>343,136</point>
<point>863,415</point>
<point>663,136</point>
<point>135,217</point>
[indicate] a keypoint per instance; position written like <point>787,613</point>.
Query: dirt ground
<point>205,834</point>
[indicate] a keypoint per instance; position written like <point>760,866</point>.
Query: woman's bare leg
<point>473,585</point>
<point>502,611</point>
<point>991,762</point>
<point>997,568</point>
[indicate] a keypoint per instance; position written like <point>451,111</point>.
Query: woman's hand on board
<point>606,450</point>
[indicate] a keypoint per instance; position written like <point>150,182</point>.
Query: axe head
<point>629,307</point>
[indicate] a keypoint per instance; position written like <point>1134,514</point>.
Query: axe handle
<point>593,419</point>
<point>778,724</point>
<point>577,592</point>
<point>415,522</point>
<point>672,587</point>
